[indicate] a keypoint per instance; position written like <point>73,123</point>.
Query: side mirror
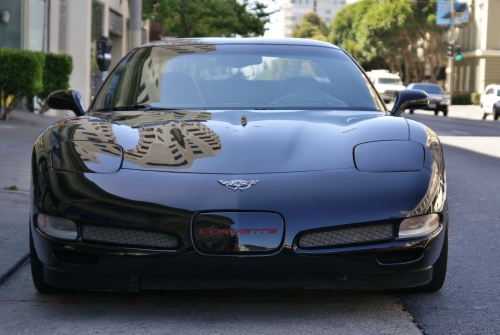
<point>409,99</point>
<point>66,99</point>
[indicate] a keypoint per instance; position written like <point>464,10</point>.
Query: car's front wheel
<point>439,270</point>
<point>484,112</point>
<point>436,112</point>
<point>37,273</point>
<point>496,113</point>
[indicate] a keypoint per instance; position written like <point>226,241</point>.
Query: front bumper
<point>392,264</point>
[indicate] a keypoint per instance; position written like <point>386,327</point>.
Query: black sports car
<point>238,163</point>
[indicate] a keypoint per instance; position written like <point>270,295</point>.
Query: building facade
<point>72,27</point>
<point>293,10</point>
<point>480,43</point>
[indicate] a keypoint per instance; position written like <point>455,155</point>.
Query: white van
<point>386,83</point>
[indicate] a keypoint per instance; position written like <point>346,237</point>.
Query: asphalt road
<point>467,304</point>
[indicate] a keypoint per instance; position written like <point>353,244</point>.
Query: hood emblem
<point>238,184</point>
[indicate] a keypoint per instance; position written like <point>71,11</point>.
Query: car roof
<point>243,40</point>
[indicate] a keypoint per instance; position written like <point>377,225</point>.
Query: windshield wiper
<point>141,107</point>
<point>263,109</point>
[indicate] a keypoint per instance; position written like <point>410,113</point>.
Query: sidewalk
<point>16,142</point>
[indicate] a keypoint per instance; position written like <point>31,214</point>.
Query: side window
<point>489,91</point>
<point>498,92</point>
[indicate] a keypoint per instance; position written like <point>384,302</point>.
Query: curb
<point>14,268</point>
<point>15,192</point>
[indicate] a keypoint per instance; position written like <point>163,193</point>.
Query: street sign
<point>443,14</point>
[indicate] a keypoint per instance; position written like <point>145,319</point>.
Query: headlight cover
<point>389,156</point>
<point>86,156</point>
<point>57,227</point>
<point>418,226</point>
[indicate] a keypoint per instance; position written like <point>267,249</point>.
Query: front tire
<point>496,113</point>
<point>436,112</point>
<point>411,111</point>
<point>484,112</point>
<point>37,273</point>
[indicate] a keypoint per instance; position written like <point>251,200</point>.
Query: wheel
<point>411,111</point>
<point>445,112</point>
<point>436,112</point>
<point>37,273</point>
<point>496,113</point>
<point>484,112</point>
<point>439,269</point>
<point>438,273</point>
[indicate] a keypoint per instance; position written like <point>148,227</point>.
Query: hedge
<point>21,74</point>
<point>462,99</point>
<point>56,73</point>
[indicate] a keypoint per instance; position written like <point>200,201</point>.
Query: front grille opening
<point>129,237</point>
<point>400,256</point>
<point>344,236</point>
<point>76,257</point>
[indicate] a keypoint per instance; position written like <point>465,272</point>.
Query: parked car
<point>439,100</point>
<point>490,101</point>
<point>225,163</point>
<point>386,83</point>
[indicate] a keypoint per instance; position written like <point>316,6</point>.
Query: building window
<point>293,18</point>
<point>328,11</point>
<point>342,2</point>
<point>38,25</point>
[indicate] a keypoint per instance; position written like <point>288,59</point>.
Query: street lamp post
<point>452,43</point>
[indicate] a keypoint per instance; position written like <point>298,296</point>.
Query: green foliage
<point>311,26</point>
<point>11,188</point>
<point>199,18</point>
<point>462,99</point>
<point>56,74</point>
<point>475,97</point>
<point>391,30</point>
<point>21,74</point>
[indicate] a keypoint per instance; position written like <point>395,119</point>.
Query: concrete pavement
<point>16,142</point>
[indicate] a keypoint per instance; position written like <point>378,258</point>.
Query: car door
<point>488,99</point>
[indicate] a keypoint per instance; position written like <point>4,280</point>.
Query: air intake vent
<point>130,237</point>
<point>347,236</point>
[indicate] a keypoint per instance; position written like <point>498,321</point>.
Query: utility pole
<point>452,43</point>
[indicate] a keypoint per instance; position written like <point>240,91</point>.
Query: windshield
<point>246,76</point>
<point>432,89</point>
<point>390,81</point>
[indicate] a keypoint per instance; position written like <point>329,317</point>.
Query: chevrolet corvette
<point>219,163</point>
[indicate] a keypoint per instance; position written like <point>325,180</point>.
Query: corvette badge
<point>238,184</point>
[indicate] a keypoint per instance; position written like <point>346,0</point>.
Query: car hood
<point>235,142</point>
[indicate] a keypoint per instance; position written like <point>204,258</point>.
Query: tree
<point>199,18</point>
<point>397,31</point>
<point>21,74</point>
<point>311,26</point>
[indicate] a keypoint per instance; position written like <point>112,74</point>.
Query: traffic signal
<point>458,52</point>
<point>449,50</point>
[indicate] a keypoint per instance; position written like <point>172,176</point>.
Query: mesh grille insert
<point>347,236</point>
<point>129,237</point>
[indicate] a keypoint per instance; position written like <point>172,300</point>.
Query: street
<point>467,304</point>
